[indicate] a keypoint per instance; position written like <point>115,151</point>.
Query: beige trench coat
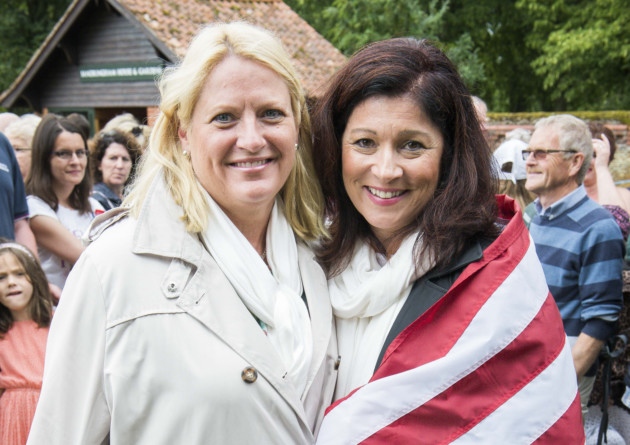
<point>150,341</point>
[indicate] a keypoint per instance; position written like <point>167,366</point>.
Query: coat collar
<point>203,291</point>
<point>161,231</point>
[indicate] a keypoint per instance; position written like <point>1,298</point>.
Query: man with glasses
<point>579,244</point>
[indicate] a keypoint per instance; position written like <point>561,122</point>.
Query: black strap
<point>611,350</point>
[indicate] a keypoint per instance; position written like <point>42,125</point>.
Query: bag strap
<point>613,349</point>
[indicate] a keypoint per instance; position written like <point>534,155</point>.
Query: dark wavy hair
<point>40,181</point>
<point>101,142</point>
<point>40,306</point>
<point>463,206</point>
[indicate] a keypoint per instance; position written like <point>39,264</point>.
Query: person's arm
<point>585,352</point>
<point>599,291</point>
<point>55,293</point>
<point>72,407</point>
<point>53,236</point>
<point>24,235</point>
<point>606,189</point>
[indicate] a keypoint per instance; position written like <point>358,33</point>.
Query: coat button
<point>249,375</point>
<point>172,287</point>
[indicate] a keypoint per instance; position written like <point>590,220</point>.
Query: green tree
<point>24,24</point>
<point>498,30</point>
<point>583,51</point>
<point>350,24</point>
<point>311,11</point>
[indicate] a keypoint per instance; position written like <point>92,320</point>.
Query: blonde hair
<point>180,87</point>
<point>23,128</point>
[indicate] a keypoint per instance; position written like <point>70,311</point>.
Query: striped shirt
<point>581,250</point>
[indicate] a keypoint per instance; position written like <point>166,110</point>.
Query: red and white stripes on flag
<point>487,364</point>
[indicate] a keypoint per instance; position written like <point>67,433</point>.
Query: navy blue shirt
<point>12,195</point>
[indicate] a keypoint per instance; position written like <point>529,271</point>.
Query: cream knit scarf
<point>366,298</point>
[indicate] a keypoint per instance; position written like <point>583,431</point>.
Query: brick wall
<point>496,132</point>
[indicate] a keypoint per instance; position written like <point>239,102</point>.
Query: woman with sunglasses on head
<point>58,189</point>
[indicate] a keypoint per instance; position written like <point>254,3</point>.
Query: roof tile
<point>175,22</point>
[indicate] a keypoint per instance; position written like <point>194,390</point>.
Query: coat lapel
<point>203,291</point>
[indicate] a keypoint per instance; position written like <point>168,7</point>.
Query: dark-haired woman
<point>114,154</point>
<point>58,189</point>
<point>447,331</point>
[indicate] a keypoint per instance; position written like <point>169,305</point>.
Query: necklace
<point>263,255</point>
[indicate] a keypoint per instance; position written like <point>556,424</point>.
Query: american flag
<point>489,363</point>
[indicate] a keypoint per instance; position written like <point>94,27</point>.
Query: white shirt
<point>56,268</point>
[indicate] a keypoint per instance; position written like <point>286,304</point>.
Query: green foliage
<point>349,25</point>
<point>584,51</point>
<point>24,24</point>
<point>466,57</point>
<point>497,30</point>
<point>356,23</point>
<point>516,54</point>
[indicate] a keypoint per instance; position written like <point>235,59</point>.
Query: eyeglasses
<point>540,154</point>
<point>66,155</point>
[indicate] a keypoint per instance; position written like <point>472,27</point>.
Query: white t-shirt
<point>57,269</point>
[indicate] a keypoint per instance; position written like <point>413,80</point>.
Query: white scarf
<point>366,298</point>
<point>276,300</point>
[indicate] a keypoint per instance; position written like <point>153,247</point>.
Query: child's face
<point>15,288</point>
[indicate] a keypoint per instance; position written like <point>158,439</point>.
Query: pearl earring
<point>296,146</point>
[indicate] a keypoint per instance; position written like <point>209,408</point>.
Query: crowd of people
<point>366,270</point>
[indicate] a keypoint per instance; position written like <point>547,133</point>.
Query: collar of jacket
<point>160,215</point>
<point>160,231</point>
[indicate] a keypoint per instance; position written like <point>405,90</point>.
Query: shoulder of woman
<point>103,222</point>
<point>37,206</point>
<point>95,205</point>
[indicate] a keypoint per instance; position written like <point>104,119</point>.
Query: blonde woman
<point>198,314</point>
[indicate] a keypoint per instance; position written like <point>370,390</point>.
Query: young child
<point>25,315</point>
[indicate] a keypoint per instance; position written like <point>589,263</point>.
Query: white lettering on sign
<point>117,73</point>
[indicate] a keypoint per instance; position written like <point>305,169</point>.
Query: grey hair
<point>573,134</point>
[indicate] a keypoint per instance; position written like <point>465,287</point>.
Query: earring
<point>296,146</point>
<point>185,153</point>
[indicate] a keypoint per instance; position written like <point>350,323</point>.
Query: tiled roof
<point>175,22</point>
<point>171,24</point>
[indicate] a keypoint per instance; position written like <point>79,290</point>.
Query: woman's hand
<point>608,192</point>
<point>601,151</point>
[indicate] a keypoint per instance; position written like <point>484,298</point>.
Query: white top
<point>56,268</point>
